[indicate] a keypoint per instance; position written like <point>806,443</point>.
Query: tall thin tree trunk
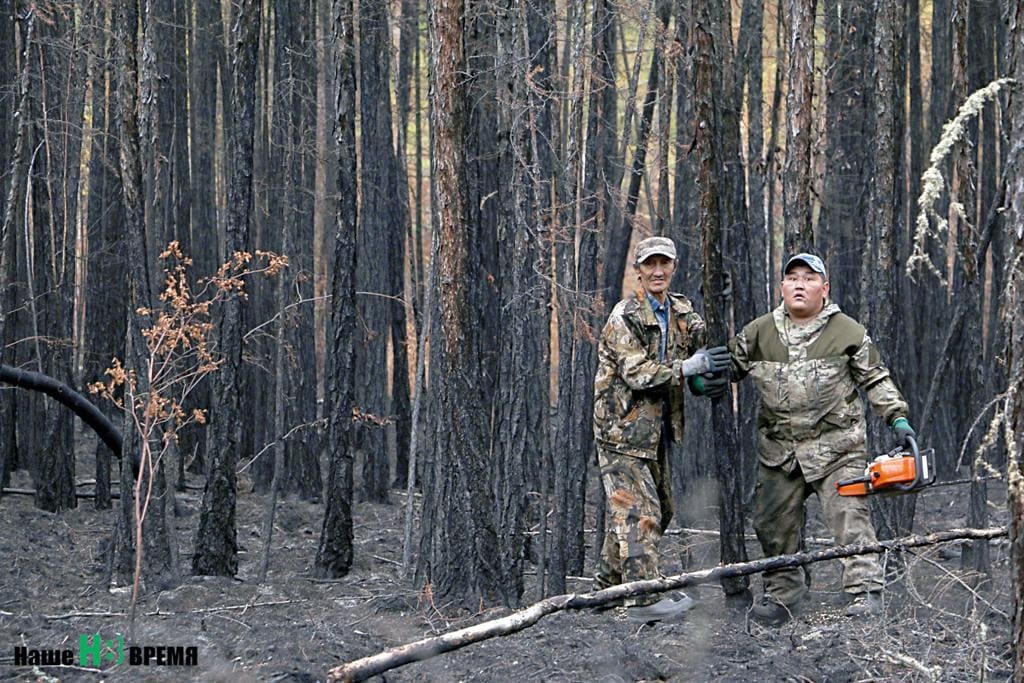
<point>713,53</point>
<point>12,202</point>
<point>884,219</point>
<point>748,238</point>
<point>135,90</point>
<point>848,50</point>
<point>334,555</point>
<point>1013,324</point>
<point>796,188</point>
<point>216,545</point>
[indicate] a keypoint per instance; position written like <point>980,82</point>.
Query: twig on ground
<point>237,621</point>
<point>75,615</point>
<point>963,584</point>
<point>241,607</point>
<point>932,672</point>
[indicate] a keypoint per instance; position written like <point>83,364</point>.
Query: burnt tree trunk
<point>796,186</point>
<point>16,169</point>
<point>334,555</point>
<point>979,189</point>
<point>379,218</point>
<point>459,544</point>
<point>216,545</point>
<point>566,455</point>
<point>206,61</point>
<point>884,220</point>
<point>135,91</point>
<point>105,318</point>
<point>848,45</point>
<point>301,461</point>
<point>56,112</point>
<point>1013,326</point>
<point>749,238</point>
<point>713,57</point>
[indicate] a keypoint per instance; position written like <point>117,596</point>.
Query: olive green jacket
<point>807,378</point>
<point>631,384</point>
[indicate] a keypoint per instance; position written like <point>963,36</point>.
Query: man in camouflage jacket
<point>808,360</point>
<point>650,343</point>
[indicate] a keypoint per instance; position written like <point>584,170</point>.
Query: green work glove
<point>903,432</point>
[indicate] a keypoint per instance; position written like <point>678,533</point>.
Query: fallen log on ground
<point>32,492</point>
<point>392,658</point>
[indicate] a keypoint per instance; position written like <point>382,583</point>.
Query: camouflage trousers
<point>779,519</point>
<point>638,508</point>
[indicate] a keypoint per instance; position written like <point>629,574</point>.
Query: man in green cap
<point>651,342</point>
<point>808,360</point>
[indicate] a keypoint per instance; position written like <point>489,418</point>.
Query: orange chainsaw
<point>898,471</point>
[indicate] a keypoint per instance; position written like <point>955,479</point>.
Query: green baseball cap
<point>810,260</point>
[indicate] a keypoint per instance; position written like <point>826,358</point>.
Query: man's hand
<point>712,386</point>
<point>706,361</point>
<point>716,386</point>
<point>903,432</point>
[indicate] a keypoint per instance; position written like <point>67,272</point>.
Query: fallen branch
<point>65,395</point>
<point>32,492</point>
<point>364,668</point>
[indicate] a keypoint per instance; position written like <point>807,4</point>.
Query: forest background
<point>456,186</point>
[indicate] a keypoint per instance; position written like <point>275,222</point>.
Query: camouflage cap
<point>810,260</point>
<point>654,245</point>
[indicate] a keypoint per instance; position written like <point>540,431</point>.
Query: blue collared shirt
<point>661,313</point>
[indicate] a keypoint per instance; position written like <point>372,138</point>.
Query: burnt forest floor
<point>937,624</point>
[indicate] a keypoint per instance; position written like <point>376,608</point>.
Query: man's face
<point>656,273</point>
<point>803,291</point>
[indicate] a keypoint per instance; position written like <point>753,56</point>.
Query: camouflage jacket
<point>807,378</point>
<point>632,385</point>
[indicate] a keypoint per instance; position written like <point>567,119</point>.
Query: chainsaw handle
<point>919,469</point>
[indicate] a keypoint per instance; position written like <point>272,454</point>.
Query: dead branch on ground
<point>364,668</point>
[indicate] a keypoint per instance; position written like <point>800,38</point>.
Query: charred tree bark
<point>105,320</point>
<point>381,235</point>
<point>566,455</point>
<point>13,193</point>
<point>977,51</point>
<point>216,543</point>
<point>927,323</point>
<point>135,90</point>
<point>57,116</point>
<point>302,448</point>
<point>884,220</point>
<point>513,431</point>
<point>796,187</point>
<point>208,70</point>
<point>597,209</point>
<point>334,555</point>
<point>848,45</point>
<point>684,198</point>
<point>1013,325</point>
<point>459,544</point>
<point>753,255</point>
<point>713,53</point>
